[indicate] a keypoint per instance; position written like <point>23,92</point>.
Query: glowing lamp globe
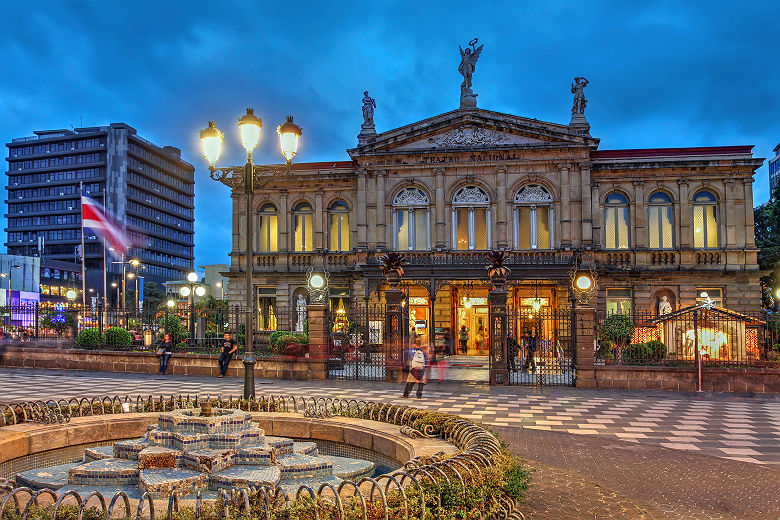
<point>289,135</point>
<point>583,282</point>
<point>184,291</point>
<point>211,140</point>
<point>71,294</point>
<point>249,125</point>
<point>536,305</point>
<point>192,277</point>
<point>200,290</point>
<point>705,295</point>
<point>467,304</point>
<point>317,281</point>
<point>170,303</point>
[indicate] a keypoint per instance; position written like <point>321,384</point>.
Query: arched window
<point>660,221</point>
<point>267,229</point>
<point>303,224</point>
<point>470,213</point>
<point>705,220</point>
<point>339,226</point>
<point>616,222</point>
<point>410,220</point>
<point>533,218</point>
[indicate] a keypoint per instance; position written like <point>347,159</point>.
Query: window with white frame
<point>660,221</point>
<point>471,218</point>
<point>339,226</point>
<point>616,225</point>
<point>705,220</point>
<point>267,229</point>
<point>303,226</point>
<point>618,301</point>
<point>533,218</point>
<point>411,229</point>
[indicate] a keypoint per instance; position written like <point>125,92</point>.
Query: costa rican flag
<point>95,217</point>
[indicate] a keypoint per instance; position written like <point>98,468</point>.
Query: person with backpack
<point>418,362</point>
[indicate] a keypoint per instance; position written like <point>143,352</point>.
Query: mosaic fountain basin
<point>191,453</point>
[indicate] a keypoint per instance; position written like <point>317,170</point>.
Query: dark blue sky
<point>663,74</point>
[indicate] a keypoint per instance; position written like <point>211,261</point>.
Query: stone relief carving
<point>468,136</point>
<point>533,193</point>
<point>471,195</point>
<point>411,197</point>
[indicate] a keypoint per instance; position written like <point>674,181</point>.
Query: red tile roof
<point>671,152</point>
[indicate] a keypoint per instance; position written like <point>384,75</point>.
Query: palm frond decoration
<point>497,267</point>
<point>393,263</point>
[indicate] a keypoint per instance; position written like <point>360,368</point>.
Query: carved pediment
<point>469,136</point>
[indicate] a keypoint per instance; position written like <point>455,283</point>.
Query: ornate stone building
<point>671,222</point>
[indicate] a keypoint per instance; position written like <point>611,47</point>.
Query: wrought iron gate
<point>358,348</point>
<point>545,355</point>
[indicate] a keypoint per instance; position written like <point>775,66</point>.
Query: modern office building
<point>774,170</point>
<point>148,188</point>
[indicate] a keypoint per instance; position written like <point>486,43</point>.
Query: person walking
<point>229,347</point>
<point>480,338</point>
<point>164,352</point>
<point>463,337</point>
<point>418,362</point>
<point>530,348</point>
<point>512,350</point>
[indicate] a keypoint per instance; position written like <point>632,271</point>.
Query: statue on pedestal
<point>367,129</point>
<point>300,307</point>
<point>579,97</point>
<point>468,64</point>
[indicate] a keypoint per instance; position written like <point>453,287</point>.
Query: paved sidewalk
<point>721,425</point>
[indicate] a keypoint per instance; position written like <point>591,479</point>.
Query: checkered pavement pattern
<point>721,425</point>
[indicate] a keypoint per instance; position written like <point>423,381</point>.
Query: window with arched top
<point>616,225</point>
<point>533,218</point>
<point>411,220</point>
<point>303,226</point>
<point>267,229</point>
<point>660,219</point>
<point>339,226</point>
<point>705,220</point>
<point>471,218</point>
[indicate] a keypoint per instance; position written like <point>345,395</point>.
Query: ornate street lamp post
<point>192,289</point>
<point>250,177</point>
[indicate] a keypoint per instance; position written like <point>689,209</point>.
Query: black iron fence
<point>358,348</point>
<point>541,351</point>
<point>198,329</point>
<point>714,336</point>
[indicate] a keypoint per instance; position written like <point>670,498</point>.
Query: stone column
<point>283,221</point>
<point>497,331</point>
<point>730,238</point>
<point>686,216</point>
<point>381,215</point>
<point>439,213</point>
<point>750,232</point>
<point>639,218</point>
<point>565,183</point>
<point>360,213</point>
<point>319,216</point>
<point>394,340</point>
<point>584,319</point>
<point>318,340</point>
<point>587,209</point>
<point>501,213</point>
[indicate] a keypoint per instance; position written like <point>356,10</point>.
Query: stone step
<point>130,448</point>
<point>159,457</point>
<point>160,482</point>
<point>244,476</point>
<point>106,472</point>
<point>206,441</point>
<point>222,421</point>
<point>350,469</point>
<point>298,466</point>
<point>53,477</point>
<point>305,448</point>
<point>281,445</point>
<point>262,455</point>
<point>99,453</point>
<point>209,461</point>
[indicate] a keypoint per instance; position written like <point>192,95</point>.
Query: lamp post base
<point>249,376</point>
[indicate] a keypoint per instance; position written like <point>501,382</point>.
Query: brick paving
<point>597,454</point>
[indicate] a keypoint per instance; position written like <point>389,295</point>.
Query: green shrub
<point>90,338</point>
<point>657,350</point>
<point>118,337</point>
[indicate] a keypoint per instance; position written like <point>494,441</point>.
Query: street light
<point>250,177</point>
<point>116,286</point>
<point>221,291</point>
<point>168,306</point>
<point>192,289</point>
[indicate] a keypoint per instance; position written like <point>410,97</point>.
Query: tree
<point>766,219</point>
<point>154,296</point>
<point>58,320</point>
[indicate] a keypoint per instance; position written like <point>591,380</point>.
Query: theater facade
<point>654,225</point>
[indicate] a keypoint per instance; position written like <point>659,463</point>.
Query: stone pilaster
<point>584,319</point>
<point>319,218</point>
<point>686,216</point>
<point>318,340</point>
<point>750,233</point>
<point>283,221</point>
<point>381,215</point>
<point>440,217</point>
<point>596,214</point>
<point>587,208</point>
<point>638,218</point>
<point>360,213</point>
<point>729,240</point>
<point>565,184</point>
<point>502,241</point>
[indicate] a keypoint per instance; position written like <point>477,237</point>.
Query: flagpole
<point>83,252</point>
